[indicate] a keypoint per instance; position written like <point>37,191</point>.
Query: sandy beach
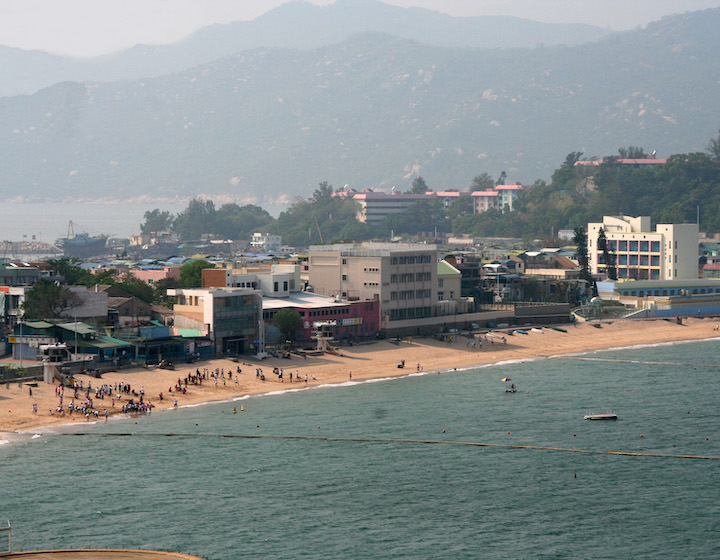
<point>357,363</point>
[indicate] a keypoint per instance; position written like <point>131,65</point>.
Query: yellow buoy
<point>242,408</point>
<point>234,410</point>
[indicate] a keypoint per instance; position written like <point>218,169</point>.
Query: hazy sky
<point>93,27</point>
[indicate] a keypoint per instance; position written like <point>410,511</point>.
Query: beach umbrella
<point>506,379</point>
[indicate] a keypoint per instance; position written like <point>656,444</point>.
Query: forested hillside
<point>672,192</point>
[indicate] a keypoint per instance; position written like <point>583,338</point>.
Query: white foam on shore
<point>25,435</point>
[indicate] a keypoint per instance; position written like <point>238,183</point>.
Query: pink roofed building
<point>484,200</point>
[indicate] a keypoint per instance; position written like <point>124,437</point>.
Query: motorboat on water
<point>600,417</point>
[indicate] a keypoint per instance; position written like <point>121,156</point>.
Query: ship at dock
<point>81,244</point>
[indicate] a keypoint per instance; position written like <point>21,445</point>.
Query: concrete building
<point>347,319</point>
<point>402,277</point>
<point>266,242</point>
<point>484,201</point>
<point>499,197</point>
<point>668,253</point>
<point>449,281</point>
<point>276,280</point>
<point>376,206</point>
<point>230,316</point>
<point>154,273</point>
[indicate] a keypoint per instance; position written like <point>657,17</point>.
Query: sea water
<point>377,487</point>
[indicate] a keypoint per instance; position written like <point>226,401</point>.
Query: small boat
<point>600,417</point>
<point>511,390</point>
<point>519,331</point>
<point>558,329</point>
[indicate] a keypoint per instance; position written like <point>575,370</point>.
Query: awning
<point>105,343</point>
<point>80,328</point>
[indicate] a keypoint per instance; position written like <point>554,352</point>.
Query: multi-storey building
<point>266,242</point>
<point>276,280</point>
<point>230,316</point>
<point>668,253</point>
<point>402,277</point>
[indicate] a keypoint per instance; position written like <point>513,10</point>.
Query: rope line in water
<point>394,440</point>
<point>634,361</point>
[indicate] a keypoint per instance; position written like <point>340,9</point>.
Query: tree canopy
<point>48,300</point>
<point>287,321</point>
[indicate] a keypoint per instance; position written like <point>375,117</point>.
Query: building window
<point>275,287</point>
<point>285,286</point>
<point>344,277</point>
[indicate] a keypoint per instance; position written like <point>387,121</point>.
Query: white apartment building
<point>266,242</point>
<point>403,277</point>
<point>668,253</point>
<point>277,280</point>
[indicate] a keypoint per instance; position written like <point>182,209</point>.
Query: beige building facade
<point>670,252</point>
<point>402,277</point>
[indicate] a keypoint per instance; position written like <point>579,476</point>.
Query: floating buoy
<point>318,427</point>
<point>242,408</point>
<point>575,475</point>
<point>443,431</point>
<point>574,435</point>
<point>234,410</point>
<point>508,431</point>
<point>642,435</point>
<point>688,412</point>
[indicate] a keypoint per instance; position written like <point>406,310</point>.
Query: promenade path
<point>88,554</point>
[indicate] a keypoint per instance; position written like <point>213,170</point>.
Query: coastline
<point>368,362</point>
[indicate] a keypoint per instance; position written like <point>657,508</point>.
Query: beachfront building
<point>402,277</point>
<point>229,316</point>
<point>344,319</point>
<point>695,297</point>
<point>449,281</point>
<point>670,252</point>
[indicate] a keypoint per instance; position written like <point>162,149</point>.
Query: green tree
<point>156,220</point>
<point>288,322</point>
<point>323,193</point>
<point>418,186</point>
<point>482,182</point>
<point>191,273</point>
<point>608,256</point>
<point>713,148</point>
<point>320,219</point>
<point>581,241</point>
<point>136,287</point>
<point>48,300</point>
<point>199,217</point>
<point>161,287</point>
<point>632,152</point>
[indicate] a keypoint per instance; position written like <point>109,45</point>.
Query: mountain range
<point>294,25</point>
<point>374,110</point>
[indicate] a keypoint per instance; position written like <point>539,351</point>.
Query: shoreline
<point>355,364</point>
